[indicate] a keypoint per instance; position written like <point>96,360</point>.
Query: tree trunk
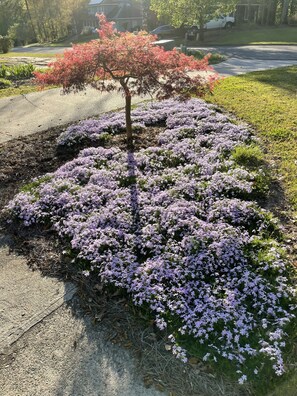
<point>30,17</point>
<point>285,12</point>
<point>127,112</point>
<point>128,119</point>
<point>201,28</point>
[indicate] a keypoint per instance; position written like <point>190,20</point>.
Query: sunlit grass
<point>27,54</point>
<point>23,90</point>
<point>268,101</point>
<point>253,35</point>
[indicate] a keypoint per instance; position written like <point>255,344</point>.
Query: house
<point>256,11</point>
<point>127,14</point>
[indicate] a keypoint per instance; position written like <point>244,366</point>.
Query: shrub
<point>129,63</point>
<point>4,72</point>
<point>21,72</point>
<point>4,83</point>
<point>17,72</point>
<point>6,44</point>
<point>213,59</point>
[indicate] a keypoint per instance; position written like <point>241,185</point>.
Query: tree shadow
<point>134,201</point>
<point>284,78</point>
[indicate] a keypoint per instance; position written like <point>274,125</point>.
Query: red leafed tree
<point>129,63</point>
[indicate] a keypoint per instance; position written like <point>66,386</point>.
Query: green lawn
<point>242,35</point>
<point>76,40</point>
<point>268,101</point>
<point>4,93</point>
<point>26,54</point>
<point>253,35</point>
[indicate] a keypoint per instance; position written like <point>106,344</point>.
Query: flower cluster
<point>169,225</point>
<point>155,113</point>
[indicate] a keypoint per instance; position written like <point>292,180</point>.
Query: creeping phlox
<point>172,226</point>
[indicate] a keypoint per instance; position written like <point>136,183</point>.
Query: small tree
<point>129,63</point>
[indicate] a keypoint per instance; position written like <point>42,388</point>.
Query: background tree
<point>42,20</point>
<point>11,11</point>
<point>53,19</point>
<point>285,11</point>
<point>192,12</point>
<point>131,64</point>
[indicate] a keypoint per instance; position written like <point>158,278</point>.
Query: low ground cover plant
<point>213,59</point>
<point>176,227</point>
<point>17,72</point>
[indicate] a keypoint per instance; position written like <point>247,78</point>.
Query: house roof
<point>95,2</point>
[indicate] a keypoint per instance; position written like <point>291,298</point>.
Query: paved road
<point>38,111</point>
<point>235,66</point>
<point>258,52</point>
<point>39,49</point>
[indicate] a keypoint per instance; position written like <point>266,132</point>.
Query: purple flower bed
<point>149,114</point>
<point>169,225</point>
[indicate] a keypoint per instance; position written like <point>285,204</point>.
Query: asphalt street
<point>258,52</point>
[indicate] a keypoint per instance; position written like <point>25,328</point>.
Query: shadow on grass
<point>284,78</point>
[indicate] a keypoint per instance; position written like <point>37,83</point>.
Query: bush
<point>4,83</point>
<point>17,72</point>
<point>21,72</point>
<point>6,44</point>
<point>213,59</point>
<point>4,72</point>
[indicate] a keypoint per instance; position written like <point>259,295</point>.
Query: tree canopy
<point>129,63</point>
<point>31,20</point>
<point>191,11</point>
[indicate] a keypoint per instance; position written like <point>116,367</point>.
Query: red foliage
<point>129,63</point>
<point>133,58</point>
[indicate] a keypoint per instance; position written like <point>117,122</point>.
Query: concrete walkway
<point>236,66</point>
<point>48,347</point>
<point>38,111</point>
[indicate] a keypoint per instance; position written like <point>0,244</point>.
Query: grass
<point>251,35</point>
<point>3,57</point>
<point>268,101</point>
<point>242,35</point>
<point>22,90</point>
<point>75,40</point>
